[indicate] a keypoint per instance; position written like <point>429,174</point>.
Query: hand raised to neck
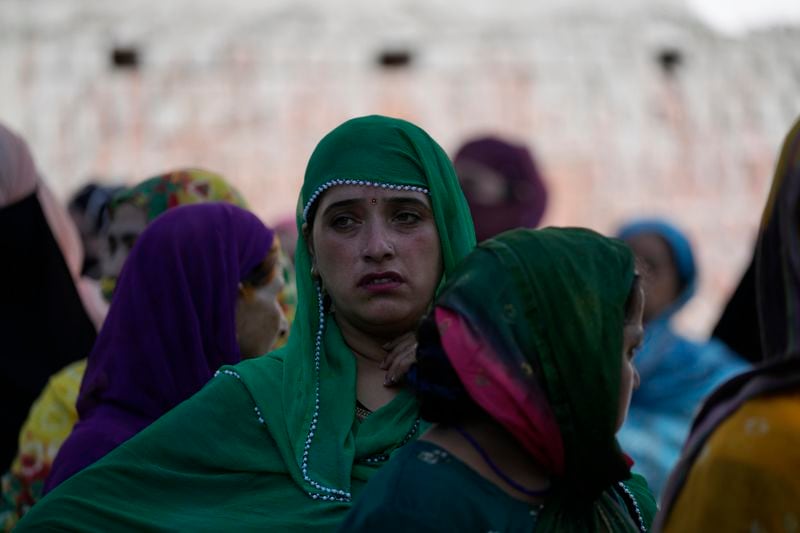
<point>369,354</point>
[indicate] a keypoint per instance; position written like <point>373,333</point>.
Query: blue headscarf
<point>680,249</point>
<point>676,372</point>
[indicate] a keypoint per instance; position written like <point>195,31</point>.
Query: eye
<point>343,222</point>
<point>407,217</point>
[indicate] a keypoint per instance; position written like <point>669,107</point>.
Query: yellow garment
<point>48,425</point>
<point>747,477</point>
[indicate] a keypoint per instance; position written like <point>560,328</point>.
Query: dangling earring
<point>314,272</point>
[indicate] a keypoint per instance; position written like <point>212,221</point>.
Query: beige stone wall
<point>247,88</point>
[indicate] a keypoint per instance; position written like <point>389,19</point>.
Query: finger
<point>389,346</point>
<point>409,344</point>
<point>399,368</point>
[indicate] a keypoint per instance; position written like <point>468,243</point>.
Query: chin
<point>390,315</point>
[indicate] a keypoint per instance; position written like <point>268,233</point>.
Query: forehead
<point>343,193</point>
<point>650,246</point>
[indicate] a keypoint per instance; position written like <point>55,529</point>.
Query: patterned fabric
<point>273,444</point>
<point>540,349</point>
<point>763,400</point>
<point>676,373</point>
<point>179,187</point>
<point>48,425</point>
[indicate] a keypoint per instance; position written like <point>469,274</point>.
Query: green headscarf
<point>550,343</point>
<point>319,371</point>
<point>273,443</point>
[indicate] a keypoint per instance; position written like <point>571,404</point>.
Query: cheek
<point>272,316</point>
<point>331,252</point>
<point>425,252</point>
<point>627,379</point>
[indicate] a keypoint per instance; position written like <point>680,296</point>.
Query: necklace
<point>362,411</point>
<point>496,469</point>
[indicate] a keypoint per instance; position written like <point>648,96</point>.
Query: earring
<point>314,272</point>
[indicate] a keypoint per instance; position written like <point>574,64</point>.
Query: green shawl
<point>273,443</point>
<point>552,323</point>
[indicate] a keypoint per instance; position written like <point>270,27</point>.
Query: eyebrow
<point>407,200</point>
<point>394,200</point>
<point>342,203</point>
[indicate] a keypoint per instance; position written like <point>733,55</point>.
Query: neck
<point>505,452</point>
<point>366,344</point>
<point>368,351</point>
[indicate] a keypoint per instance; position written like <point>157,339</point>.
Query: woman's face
<point>125,226</point>
<point>260,320</point>
<point>481,184</point>
<point>633,334</point>
<point>661,281</point>
<point>378,254</point>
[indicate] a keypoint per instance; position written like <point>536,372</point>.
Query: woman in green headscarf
<point>525,369</point>
<point>281,442</point>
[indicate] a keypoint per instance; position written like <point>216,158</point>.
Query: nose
<point>378,245</point>
<point>283,325</point>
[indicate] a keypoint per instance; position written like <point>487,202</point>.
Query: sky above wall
<point>739,16</point>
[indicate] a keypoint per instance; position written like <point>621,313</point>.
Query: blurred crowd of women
<point>406,352</point>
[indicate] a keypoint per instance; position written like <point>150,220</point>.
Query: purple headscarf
<point>525,196</point>
<point>170,327</point>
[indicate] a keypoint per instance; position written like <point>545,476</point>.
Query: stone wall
<point>633,111</point>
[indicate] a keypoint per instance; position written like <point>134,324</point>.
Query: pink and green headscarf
<point>532,322</point>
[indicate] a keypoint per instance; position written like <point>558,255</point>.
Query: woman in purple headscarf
<point>502,184</point>
<point>198,291</point>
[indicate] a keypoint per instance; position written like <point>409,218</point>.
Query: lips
<point>381,280</point>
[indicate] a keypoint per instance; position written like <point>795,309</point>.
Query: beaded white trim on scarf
<point>641,524</point>
<point>381,457</point>
<point>228,373</point>
<point>332,183</point>
<point>331,494</point>
<point>236,375</point>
